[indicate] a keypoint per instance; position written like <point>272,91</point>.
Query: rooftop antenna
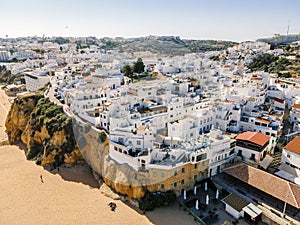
<point>288,27</point>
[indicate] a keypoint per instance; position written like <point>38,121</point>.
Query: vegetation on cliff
<point>6,77</point>
<point>44,128</point>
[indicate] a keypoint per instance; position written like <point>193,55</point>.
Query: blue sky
<point>237,20</point>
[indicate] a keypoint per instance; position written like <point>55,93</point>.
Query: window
<point>288,155</point>
<point>195,177</point>
<point>182,170</point>
<point>175,184</point>
<point>115,148</point>
<point>175,173</point>
<point>203,163</point>
<point>162,186</point>
<point>182,182</point>
<point>138,142</point>
<point>196,166</point>
<point>154,174</point>
<point>162,175</point>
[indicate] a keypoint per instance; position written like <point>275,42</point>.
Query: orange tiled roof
<point>254,137</point>
<point>263,120</point>
<point>296,106</point>
<point>278,99</point>
<point>141,128</point>
<point>294,145</point>
<point>268,183</point>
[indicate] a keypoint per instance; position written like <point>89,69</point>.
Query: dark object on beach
<point>41,176</point>
<point>112,205</point>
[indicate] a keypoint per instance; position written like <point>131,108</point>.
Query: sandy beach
<point>67,196</point>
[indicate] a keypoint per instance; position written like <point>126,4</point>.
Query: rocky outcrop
<point>44,128</point>
<point>19,115</point>
<point>121,178</point>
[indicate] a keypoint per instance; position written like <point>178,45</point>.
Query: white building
<point>234,205</point>
<point>4,56</point>
<point>219,152</point>
<point>295,117</point>
<point>35,81</point>
<point>290,161</point>
<point>252,146</point>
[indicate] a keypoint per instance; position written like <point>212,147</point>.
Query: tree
<point>127,70</point>
<point>138,66</point>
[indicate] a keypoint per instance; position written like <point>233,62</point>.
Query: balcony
<point>222,161</point>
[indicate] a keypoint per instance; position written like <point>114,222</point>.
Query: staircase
<point>275,163</point>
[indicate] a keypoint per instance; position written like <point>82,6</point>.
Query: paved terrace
<point>211,214</point>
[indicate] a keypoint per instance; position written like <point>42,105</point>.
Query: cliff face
<point>122,178</point>
<point>44,128</point>
<point>19,115</point>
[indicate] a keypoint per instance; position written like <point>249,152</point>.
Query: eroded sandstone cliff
<point>44,128</point>
<point>121,178</point>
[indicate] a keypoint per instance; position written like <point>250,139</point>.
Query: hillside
<point>280,39</point>
<point>165,45</point>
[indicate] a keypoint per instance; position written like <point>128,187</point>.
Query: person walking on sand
<point>41,176</point>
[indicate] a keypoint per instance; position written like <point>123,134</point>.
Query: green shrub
<point>86,128</point>
<point>101,137</point>
<point>38,160</point>
<point>34,151</point>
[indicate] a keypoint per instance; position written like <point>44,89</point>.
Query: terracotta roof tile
<point>254,137</point>
<point>278,99</point>
<point>294,145</point>
<point>296,106</point>
<point>268,183</point>
<point>140,128</point>
<point>263,120</point>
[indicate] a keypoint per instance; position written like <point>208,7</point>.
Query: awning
<point>252,211</point>
<point>266,162</point>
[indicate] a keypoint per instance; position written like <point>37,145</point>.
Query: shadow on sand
<point>79,173</point>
